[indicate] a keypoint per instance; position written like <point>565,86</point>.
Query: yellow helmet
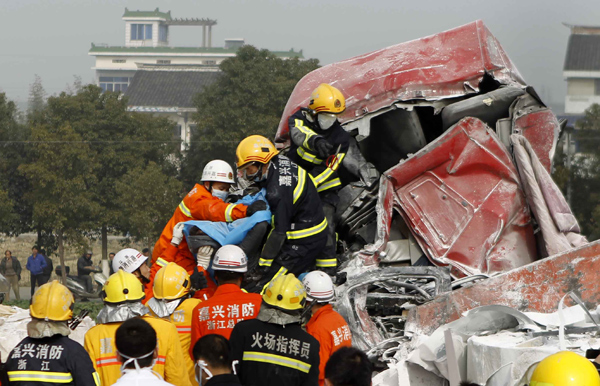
<point>327,98</point>
<point>286,293</point>
<point>171,282</point>
<point>122,287</point>
<point>565,368</point>
<point>254,148</point>
<point>52,302</point>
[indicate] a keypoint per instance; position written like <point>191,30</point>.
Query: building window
<point>141,32</point>
<point>210,62</point>
<point>119,61</point>
<point>177,131</point>
<point>117,83</point>
<point>596,86</point>
<point>163,61</point>
<point>162,33</point>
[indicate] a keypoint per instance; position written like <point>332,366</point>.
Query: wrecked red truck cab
<point>438,119</point>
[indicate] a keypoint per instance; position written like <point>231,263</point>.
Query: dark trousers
<point>293,258</point>
<point>89,285</point>
<point>252,243</point>
<point>39,279</point>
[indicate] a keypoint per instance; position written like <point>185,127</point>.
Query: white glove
<point>203,256</point>
<point>177,234</point>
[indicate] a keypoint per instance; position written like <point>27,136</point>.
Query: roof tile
<point>583,53</point>
<point>168,88</point>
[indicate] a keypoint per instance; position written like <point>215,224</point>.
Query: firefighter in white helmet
<point>230,264</point>
<point>133,261</point>
<point>206,201</point>
<point>325,324</point>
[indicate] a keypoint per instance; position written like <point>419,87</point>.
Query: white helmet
<point>230,258</point>
<point>218,171</point>
<point>128,259</point>
<point>319,287</point>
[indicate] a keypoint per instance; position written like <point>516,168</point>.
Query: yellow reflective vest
<point>100,344</point>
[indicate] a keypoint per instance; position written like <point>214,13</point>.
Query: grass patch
<point>92,307</point>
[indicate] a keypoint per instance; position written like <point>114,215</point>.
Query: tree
<point>247,99</point>
<point>583,173</point>
<point>15,212</point>
<point>150,196</point>
<point>37,96</point>
<point>83,145</point>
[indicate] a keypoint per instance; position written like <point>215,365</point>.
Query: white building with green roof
<point>147,43</point>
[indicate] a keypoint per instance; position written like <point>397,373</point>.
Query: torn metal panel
<point>536,287</point>
<point>541,128</point>
<point>461,197</point>
<point>449,64</point>
<point>385,287</point>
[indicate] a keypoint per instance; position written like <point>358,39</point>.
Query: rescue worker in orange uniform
<point>325,324</point>
<point>230,304</point>
<point>172,301</point>
<point>205,201</point>
<point>122,295</point>
<point>133,261</point>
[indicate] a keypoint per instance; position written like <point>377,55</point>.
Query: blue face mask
<point>220,194</point>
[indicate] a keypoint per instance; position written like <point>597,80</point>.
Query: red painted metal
<point>462,198</point>
<point>541,129</point>
<point>535,287</point>
<point>448,64</point>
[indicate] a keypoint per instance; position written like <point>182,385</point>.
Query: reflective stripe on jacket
<point>100,345</point>
<point>53,360</point>
<point>198,204</point>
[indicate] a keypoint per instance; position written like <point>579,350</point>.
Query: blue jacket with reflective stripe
<point>36,362</point>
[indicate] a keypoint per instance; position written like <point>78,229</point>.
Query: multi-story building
<point>582,69</point>
<point>163,79</point>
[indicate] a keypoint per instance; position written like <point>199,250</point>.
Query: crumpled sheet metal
<point>535,287</point>
<point>462,198</point>
<point>558,225</point>
<point>369,255</point>
<point>539,125</point>
<point>449,64</point>
<point>352,296</point>
<point>492,346</point>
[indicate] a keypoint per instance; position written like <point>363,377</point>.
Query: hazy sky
<point>52,37</point>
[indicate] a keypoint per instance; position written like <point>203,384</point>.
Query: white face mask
<point>135,361</point>
<point>326,120</point>
<point>219,194</point>
<point>200,367</point>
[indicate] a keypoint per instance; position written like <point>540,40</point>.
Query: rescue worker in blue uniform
<point>47,356</point>
<point>299,231</point>
<point>273,349</point>
<point>319,144</point>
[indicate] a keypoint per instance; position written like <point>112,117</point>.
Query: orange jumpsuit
<point>219,314</point>
<point>182,319</point>
<point>99,342</point>
<point>198,204</point>
<point>332,332</point>
<point>171,254</point>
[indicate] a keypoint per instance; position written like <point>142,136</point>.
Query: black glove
<point>256,206</point>
<point>198,280</point>
<point>323,147</point>
<point>331,272</point>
